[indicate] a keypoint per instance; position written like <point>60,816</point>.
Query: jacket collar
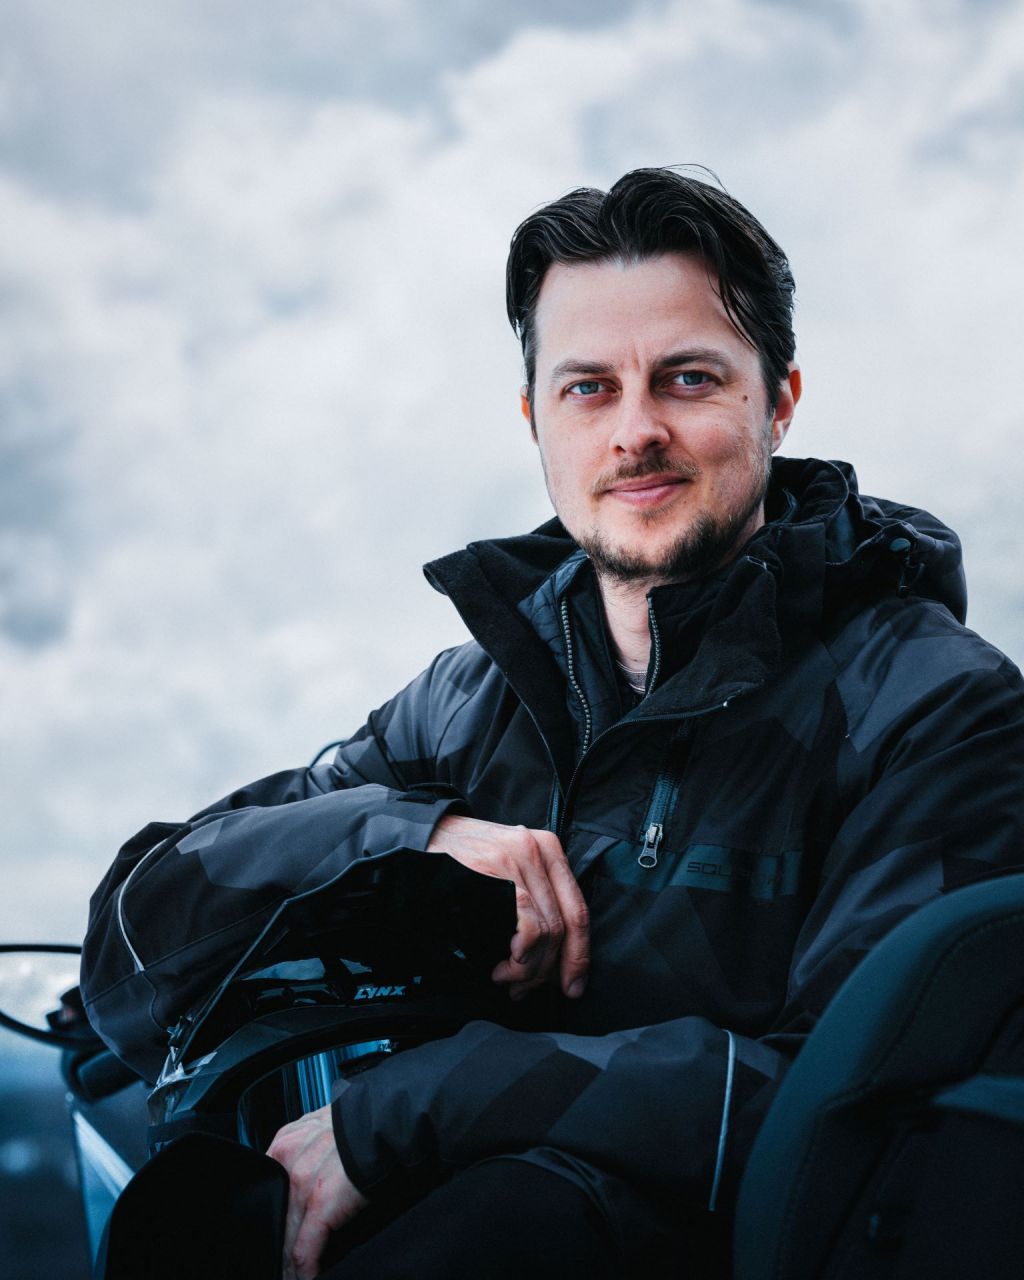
<point>825,548</point>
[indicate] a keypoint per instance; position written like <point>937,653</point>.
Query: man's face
<point>651,415</point>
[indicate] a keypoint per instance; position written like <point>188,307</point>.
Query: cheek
<point>733,442</point>
<point>733,460</point>
<point>565,487</point>
<point>567,465</point>
<point>719,445</point>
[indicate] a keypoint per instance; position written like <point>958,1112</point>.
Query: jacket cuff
<point>348,1159</point>
<point>396,1181</point>
<point>408,818</point>
<point>433,792</point>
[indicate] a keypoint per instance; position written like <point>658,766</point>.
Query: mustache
<point>656,465</point>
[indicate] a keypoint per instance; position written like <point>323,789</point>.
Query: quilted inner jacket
<point>822,748</point>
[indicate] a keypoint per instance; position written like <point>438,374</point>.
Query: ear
<point>524,409</point>
<point>790,389</point>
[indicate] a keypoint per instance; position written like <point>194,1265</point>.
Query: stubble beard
<point>708,541</point>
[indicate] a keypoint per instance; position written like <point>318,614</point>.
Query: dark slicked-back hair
<point>650,212</point>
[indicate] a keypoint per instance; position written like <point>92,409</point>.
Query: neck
<point>625,610</point>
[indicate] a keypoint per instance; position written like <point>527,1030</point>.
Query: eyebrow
<point>674,360</point>
<point>694,355</point>
<point>580,368</point>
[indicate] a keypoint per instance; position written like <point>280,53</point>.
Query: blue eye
<point>586,388</point>
<point>691,378</point>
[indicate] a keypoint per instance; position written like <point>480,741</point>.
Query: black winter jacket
<point>823,747</point>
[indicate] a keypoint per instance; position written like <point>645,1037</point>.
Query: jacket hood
<point>825,548</point>
<point>866,538</point>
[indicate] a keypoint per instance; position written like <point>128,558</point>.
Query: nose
<point>639,426</point>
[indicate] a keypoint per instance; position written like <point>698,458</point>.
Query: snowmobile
<point>893,1150</point>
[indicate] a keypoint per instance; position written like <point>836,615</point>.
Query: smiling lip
<point>647,491</point>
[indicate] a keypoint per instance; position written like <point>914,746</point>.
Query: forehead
<point>610,310</point>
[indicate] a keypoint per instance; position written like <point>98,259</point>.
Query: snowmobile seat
<point>894,1148</point>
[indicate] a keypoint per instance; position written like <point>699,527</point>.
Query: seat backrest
<point>921,1012</point>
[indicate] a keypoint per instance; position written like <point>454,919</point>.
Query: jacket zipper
<point>653,825</point>
<point>666,789</point>
<point>560,807</point>
<point>655,671</point>
<point>570,661</point>
<point>554,806</point>
<point>652,675</point>
<point>648,856</point>
<point>676,715</point>
<point>663,789</point>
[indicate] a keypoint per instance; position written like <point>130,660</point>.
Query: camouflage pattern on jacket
<point>823,747</point>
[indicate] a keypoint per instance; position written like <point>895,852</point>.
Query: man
<point>722,726</point>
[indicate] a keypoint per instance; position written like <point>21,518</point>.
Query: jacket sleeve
<point>182,901</point>
<point>933,802</point>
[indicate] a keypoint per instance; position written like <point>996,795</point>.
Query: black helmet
<point>396,951</point>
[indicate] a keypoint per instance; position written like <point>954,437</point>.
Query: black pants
<point>506,1219</point>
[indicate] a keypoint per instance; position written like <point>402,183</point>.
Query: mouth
<point>647,491</point>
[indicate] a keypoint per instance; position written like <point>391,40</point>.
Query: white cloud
<point>263,389</point>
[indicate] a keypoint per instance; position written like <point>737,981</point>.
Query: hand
<point>552,922</point>
<point>320,1198</point>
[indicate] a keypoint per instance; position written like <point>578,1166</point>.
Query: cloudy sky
<point>254,365</point>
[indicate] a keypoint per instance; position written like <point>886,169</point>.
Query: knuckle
<point>579,918</point>
<point>527,840</point>
<point>280,1149</point>
<point>550,843</point>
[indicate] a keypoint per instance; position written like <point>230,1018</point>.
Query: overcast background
<point>254,365</point>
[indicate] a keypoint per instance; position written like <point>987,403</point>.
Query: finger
<point>575,952</point>
<point>528,945</point>
<point>536,945</point>
<point>332,1202</point>
<point>293,1221</point>
<point>509,973</point>
<point>288,1148</point>
<point>309,1245</point>
<point>542,954</point>
<point>520,990</point>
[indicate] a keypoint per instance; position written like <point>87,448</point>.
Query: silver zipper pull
<point>649,853</point>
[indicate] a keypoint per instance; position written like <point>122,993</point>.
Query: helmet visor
<point>291,1091</point>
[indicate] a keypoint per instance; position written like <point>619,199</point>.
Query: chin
<point>697,549</point>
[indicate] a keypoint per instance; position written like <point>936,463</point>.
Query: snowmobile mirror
<point>34,979</point>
